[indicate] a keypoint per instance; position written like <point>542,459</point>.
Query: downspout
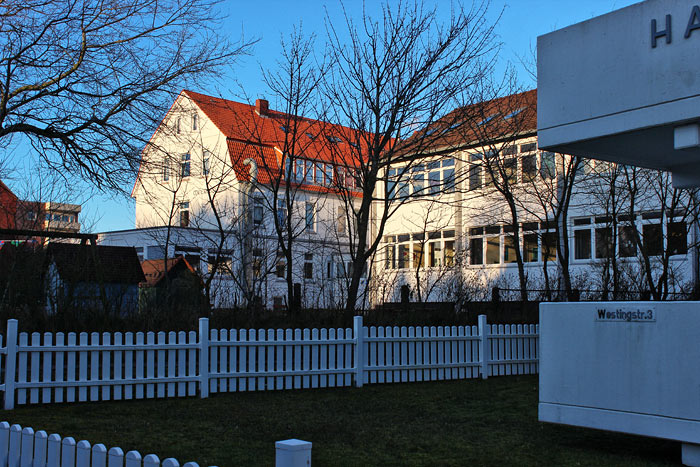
<point>247,242</point>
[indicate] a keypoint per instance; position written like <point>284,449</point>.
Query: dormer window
<point>334,139</point>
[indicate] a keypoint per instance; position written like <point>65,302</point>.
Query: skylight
<point>284,128</point>
<point>488,119</point>
<point>311,136</point>
<point>514,113</point>
<point>334,139</point>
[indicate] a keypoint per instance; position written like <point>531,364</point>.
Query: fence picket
<point>115,457</point>
<point>4,443</point>
<point>118,362</point>
<point>34,371</point>
<point>160,387</point>
<point>279,361</point>
<point>106,365</point>
<point>150,364</point>
<point>379,354</point>
<point>427,353</point>
<point>99,456</point>
<point>83,454</point>
<point>262,349</point>
<point>314,357</point>
<point>94,366</point>
<point>14,446</point>
<point>139,358</point>
<point>213,361</point>
<point>53,456</point>
<point>70,368</point>
<point>252,360</point>
<point>172,362</point>
<point>288,359</point>
<point>306,363</point>
<point>337,358</point>
<point>68,452</point>
<point>440,344</point>
<point>223,359</point>
<point>192,365</point>
<point>323,351</point>
<point>47,367</point>
<point>83,366</point>
<point>129,367</point>
<point>181,363</point>
<point>243,359</point>
<point>270,365</point>
<point>40,449</point>
<point>297,358</point>
<point>397,354</point>
<point>26,447</point>
<point>133,459</point>
<point>348,358</point>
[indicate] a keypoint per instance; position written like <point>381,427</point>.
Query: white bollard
<point>292,453</point>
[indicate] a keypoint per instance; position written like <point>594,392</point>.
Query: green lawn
<point>469,422</point>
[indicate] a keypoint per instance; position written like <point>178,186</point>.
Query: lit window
<point>185,165</point>
<point>205,166</point>
<point>184,214</point>
<point>309,217</point>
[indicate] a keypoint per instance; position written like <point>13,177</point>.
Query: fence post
<point>359,350</point>
<point>10,364</point>
<point>203,357</point>
<point>484,347</point>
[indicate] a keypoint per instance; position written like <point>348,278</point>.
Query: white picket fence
<point>117,366</point>
<point>26,448</point>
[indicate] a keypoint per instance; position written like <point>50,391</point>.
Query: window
<point>299,173</point>
<point>341,220</point>
<point>434,254</point>
<point>309,216</point>
<point>403,256</point>
<point>448,178</point>
<point>529,167</point>
<point>391,183</point>
<point>528,147</point>
<point>476,251</point>
<point>222,267</point>
<point>418,183</point>
<point>603,242</point>
<point>677,238</point>
<point>530,248</point>
<point>510,170</point>
<point>257,262</point>
<point>417,255</point>
<point>166,169</point>
<point>403,184</point>
<point>434,177</point>
<point>509,255</point>
<point>509,150</point>
<point>319,173</point>
<point>449,253</point>
<point>185,165</point>
<point>389,257</point>
<point>258,212</point>
<point>549,246</point>
<point>280,268</point>
<point>475,172</point>
<point>205,166</point>
<point>139,252</point>
<point>653,239</point>
<point>178,125</point>
<point>548,165</point>
<point>628,246</point>
<point>194,122</point>
<point>281,212</point>
<point>582,244</point>
<point>493,249</point>
<point>308,266</point>
<point>184,214</point>
<point>309,171</point>
<point>328,174</point>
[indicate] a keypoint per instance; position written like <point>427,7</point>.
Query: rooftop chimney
<point>261,106</point>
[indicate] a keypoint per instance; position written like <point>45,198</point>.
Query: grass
<point>468,422</point>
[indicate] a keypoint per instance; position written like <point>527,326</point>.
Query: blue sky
<point>269,20</point>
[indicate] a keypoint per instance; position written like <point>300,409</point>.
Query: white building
<point>484,208</point>
<point>489,193</point>
<point>225,183</point>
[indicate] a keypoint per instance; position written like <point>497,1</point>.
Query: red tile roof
<point>153,269</point>
<point>250,134</point>
<point>475,124</point>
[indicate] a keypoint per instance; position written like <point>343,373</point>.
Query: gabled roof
<point>153,268</point>
<point>264,138</point>
<point>476,124</point>
<point>88,263</point>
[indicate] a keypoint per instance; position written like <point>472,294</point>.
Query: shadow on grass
<point>468,422</point>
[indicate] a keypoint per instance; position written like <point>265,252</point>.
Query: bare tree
<point>87,82</point>
<point>396,74</point>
